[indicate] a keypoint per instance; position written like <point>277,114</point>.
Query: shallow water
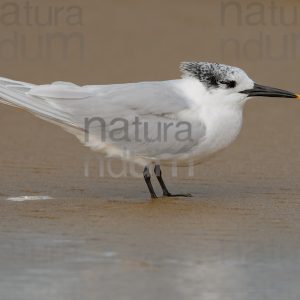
<point>212,247</point>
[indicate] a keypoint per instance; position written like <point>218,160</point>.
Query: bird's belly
<point>220,127</point>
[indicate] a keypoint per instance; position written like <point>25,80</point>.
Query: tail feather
<point>15,93</point>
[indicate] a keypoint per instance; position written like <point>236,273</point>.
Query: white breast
<point>223,125</point>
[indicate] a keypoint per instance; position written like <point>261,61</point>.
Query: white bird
<point>149,122</point>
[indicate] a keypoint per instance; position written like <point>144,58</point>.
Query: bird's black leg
<point>166,193</point>
<point>147,178</point>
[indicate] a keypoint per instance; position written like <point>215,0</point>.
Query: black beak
<point>266,91</point>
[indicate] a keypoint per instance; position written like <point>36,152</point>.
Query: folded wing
<point>105,117</point>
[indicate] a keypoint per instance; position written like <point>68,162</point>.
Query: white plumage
<point>208,101</point>
<point>214,122</point>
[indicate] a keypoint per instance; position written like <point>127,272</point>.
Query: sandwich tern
<point>199,114</point>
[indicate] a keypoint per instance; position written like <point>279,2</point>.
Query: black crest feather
<point>211,74</point>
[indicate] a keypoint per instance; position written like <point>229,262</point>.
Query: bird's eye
<point>229,83</point>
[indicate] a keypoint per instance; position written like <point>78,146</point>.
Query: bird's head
<point>226,83</point>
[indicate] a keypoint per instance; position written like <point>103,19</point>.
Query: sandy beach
<point>92,236</point>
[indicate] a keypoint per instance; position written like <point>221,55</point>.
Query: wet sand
<point>102,237</point>
<point>237,238</point>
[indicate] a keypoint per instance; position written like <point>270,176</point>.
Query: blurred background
<point>237,238</point>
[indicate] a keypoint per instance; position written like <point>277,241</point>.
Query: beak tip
<point>298,96</point>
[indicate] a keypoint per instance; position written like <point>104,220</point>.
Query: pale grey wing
<point>105,116</point>
<point>17,93</point>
